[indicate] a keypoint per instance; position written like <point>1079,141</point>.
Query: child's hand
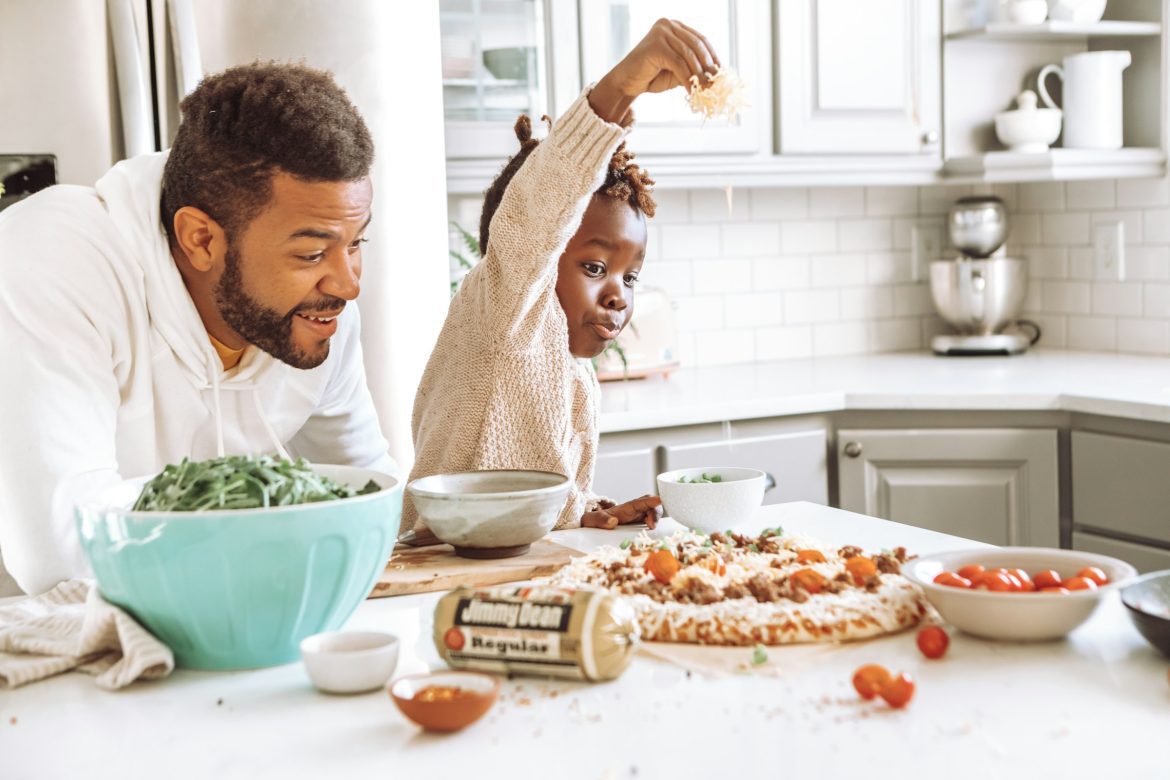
<point>644,509</point>
<point>667,57</point>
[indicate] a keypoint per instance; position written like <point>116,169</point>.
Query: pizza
<point>732,589</point>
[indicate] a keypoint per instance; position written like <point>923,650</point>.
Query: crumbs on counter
<point>12,721</point>
<point>219,702</point>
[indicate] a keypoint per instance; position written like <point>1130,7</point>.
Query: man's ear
<point>202,240</point>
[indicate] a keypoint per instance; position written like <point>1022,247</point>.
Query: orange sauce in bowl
<point>444,693</point>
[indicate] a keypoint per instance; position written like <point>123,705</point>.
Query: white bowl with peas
<point>711,499</point>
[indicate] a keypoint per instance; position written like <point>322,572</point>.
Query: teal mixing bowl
<point>239,589</point>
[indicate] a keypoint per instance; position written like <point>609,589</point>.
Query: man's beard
<point>264,327</point>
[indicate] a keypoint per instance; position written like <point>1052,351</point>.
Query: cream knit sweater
<point>501,389</point>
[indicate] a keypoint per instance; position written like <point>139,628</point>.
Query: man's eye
<point>313,258</point>
<point>356,244</point>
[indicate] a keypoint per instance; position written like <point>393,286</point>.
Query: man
<point>191,304</point>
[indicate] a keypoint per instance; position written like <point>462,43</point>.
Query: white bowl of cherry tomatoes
<point>1017,593</point>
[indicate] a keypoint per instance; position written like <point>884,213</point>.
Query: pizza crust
<point>889,604</point>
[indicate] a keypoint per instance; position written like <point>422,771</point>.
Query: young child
<point>563,236</point>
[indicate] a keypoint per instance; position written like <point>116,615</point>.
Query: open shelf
<point>1057,164</point>
<point>1056,31</point>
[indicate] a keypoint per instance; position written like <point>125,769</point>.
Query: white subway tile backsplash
<point>1042,196</point>
<point>1147,263</point>
<point>802,306</point>
<point>1098,333</point>
<point>891,201</point>
<point>936,201</point>
<point>840,338</point>
<point>911,299</point>
<point>867,303</point>
<point>674,277</point>
<point>888,267</point>
<point>711,205</point>
<point>699,313</point>
<point>753,239</point>
<point>896,335</point>
<point>839,270</point>
<point>722,276</point>
<point>1155,226</point>
<point>1145,336</point>
<point>866,235</point>
<point>813,237</point>
<point>753,310</point>
<point>1024,230</point>
<point>1156,300</point>
<point>1122,299</point>
<point>1143,192</point>
<point>836,202</point>
<point>1082,265</point>
<point>773,204</point>
<point>1067,297</point>
<point>1067,229</point>
<point>684,242</point>
<point>1053,329</point>
<point>1092,194</point>
<point>725,347</point>
<point>794,341</point>
<point>674,207</point>
<point>781,273</point>
<point>1047,263</point>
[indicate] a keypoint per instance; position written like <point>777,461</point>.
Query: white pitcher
<point>1092,98</point>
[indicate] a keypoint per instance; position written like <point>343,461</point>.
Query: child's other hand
<point>666,58</point>
<point>644,509</point>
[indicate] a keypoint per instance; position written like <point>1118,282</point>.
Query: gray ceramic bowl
<point>490,514</point>
<point>1147,599</point>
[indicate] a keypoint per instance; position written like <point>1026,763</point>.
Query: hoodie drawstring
<point>268,426</point>
<point>215,391</point>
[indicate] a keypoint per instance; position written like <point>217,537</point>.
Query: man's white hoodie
<point>106,370</point>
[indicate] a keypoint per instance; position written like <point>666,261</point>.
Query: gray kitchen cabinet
<point>995,485</point>
<point>796,462</point>
<point>1121,485</point>
<point>624,471</point>
<point>1143,557</point>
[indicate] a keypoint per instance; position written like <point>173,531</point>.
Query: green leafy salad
<point>240,482</point>
<point>704,478</point>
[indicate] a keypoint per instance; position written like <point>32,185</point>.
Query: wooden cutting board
<point>426,569</point>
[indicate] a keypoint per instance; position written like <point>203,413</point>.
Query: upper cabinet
<point>737,29</point>
<point>499,61</point>
<point>858,78</point>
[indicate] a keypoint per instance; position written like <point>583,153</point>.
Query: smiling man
<point>192,303</point>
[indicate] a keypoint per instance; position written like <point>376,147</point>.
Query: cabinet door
<point>859,77</point>
<point>622,473</point>
<point>738,29</point>
<point>1120,485</point>
<point>1143,557</point>
<point>498,63</point>
<point>796,462</point>
<point>997,486</point>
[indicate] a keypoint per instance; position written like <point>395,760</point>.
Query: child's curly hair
<point>623,180</point>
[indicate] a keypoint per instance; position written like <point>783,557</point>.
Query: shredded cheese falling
<point>724,94</point>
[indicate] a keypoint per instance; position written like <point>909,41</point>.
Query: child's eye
<point>631,280</point>
<point>593,269</point>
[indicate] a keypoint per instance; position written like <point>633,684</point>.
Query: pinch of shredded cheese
<point>724,94</point>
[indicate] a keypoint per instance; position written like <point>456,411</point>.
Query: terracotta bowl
<point>477,694</point>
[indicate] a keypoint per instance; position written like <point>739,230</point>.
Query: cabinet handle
<point>852,449</point>
<point>930,138</point>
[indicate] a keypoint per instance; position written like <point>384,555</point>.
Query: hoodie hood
<point>132,194</point>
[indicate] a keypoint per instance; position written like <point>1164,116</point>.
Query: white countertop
<point>1097,704</point>
<point>1096,383</point>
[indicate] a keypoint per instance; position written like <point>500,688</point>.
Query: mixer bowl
<point>977,224</point>
<point>979,297</point>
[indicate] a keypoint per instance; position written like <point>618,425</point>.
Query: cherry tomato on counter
<point>933,641</point>
<point>869,680</point>
<point>898,691</point>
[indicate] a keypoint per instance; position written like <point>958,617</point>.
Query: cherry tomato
<point>1046,579</point>
<point>970,571</point>
<point>998,581</point>
<point>869,680</point>
<point>1025,581</point>
<point>933,641</point>
<point>812,581</point>
<point>1055,589</point>
<point>951,579</point>
<point>663,565</point>
<point>898,691</point>
<point>810,556</point>
<point>1094,574</point>
<point>860,568</point>
<point>1080,583</point>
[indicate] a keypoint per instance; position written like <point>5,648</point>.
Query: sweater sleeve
<point>60,396</point>
<point>540,211</point>
<point>344,427</point>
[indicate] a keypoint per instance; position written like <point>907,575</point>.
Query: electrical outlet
<point>926,244</point>
<point>1109,251</point>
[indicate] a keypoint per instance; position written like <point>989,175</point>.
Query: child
<point>563,235</point>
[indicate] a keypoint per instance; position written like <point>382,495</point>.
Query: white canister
<point>1092,98</point>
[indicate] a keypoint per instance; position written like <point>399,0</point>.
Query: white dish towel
<point>73,627</point>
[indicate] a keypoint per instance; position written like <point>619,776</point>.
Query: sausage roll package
<point>536,630</point>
